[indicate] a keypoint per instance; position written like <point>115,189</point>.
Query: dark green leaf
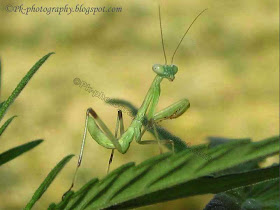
<point>21,85</point>
<point>254,164</point>
<point>6,124</point>
<point>78,196</point>
<point>0,82</point>
<point>48,180</point>
<point>215,141</point>
<point>1,104</point>
<point>261,196</point>
<point>245,197</point>
<point>17,151</point>
<point>166,177</point>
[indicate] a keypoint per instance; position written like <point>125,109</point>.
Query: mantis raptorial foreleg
<point>173,111</point>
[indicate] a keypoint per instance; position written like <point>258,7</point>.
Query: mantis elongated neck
<point>154,91</point>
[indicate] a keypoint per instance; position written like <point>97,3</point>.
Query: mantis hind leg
<point>119,126</point>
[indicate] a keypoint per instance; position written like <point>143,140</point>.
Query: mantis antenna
<point>162,42</point>
<point>185,35</point>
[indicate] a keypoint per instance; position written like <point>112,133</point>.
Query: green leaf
<point>17,151</point>
<point>166,177</point>
<point>47,182</point>
<point>254,164</point>
<point>261,196</point>
<point>6,124</point>
<point>0,80</point>
<point>1,104</point>
<point>215,141</point>
<point>21,85</point>
<point>179,144</point>
<point>77,197</point>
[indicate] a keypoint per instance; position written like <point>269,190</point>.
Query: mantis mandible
<point>104,137</point>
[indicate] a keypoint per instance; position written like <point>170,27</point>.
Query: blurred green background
<point>228,69</point>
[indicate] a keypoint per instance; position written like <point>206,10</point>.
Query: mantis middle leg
<point>119,126</point>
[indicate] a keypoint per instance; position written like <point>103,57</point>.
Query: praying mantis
<point>104,137</point>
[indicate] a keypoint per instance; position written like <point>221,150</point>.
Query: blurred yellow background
<point>228,69</point>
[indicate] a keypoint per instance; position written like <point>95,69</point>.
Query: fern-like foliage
<point>261,196</point>
<point>171,176</point>
<point>15,152</point>
<point>6,124</point>
<point>21,85</point>
<point>47,182</point>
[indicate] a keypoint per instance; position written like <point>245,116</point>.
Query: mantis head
<point>166,71</point>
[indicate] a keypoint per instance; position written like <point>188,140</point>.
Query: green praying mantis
<point>104,137</point>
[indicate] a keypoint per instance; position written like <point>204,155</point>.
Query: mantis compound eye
<point>175,69</point>
<point>158,69</point>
